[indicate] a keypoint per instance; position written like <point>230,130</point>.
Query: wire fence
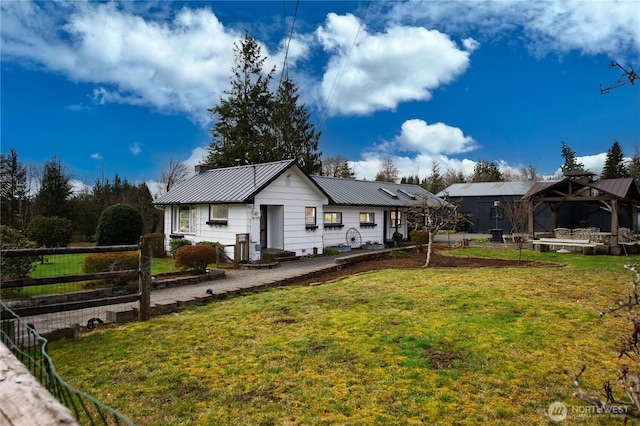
<point>30,348</point>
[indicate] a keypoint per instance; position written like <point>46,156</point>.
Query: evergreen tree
<point>614,165</point>
<point>296,136</point>
<point>570,162</point>
<point>243,132</point>
<point>435,182</point>
<point>53,196</point>
<point>486,171</point>
<point>254,125</point>
<point>14,200</point>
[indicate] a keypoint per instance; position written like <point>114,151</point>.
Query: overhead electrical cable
<point>344,67</point>
<point>286,52</point>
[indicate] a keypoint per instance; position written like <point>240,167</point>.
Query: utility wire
<point>339,75</point>
<point>286,52</point>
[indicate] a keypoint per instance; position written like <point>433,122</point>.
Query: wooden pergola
<point>613,194</point>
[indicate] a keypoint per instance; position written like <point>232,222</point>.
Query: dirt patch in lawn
<point>414,259</point>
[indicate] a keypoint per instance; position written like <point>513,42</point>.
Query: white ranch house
<point>279,206</point>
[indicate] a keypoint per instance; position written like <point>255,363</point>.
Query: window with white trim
<point>218,214</point>
<point>184,219</point>
<point>367,218</point>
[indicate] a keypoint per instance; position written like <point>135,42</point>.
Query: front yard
<point>416,346</point>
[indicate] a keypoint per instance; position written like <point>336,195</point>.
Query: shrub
<point>397,237</point>
<point>419,238</point>
<point>51,231</point>
<point>15,267</point>
<point>330,251</point>
<point>195,257</point>
<point>119,224</point>
<point>107,262</point>
<point>216,246</point>
<point>399,254</point>
<point>174,245</point>
<point>156,244</point>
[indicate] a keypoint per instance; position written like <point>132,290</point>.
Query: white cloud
<point>198,156</point>
<point>418,136</point>
<point>96,156</point>
<point>175,66</point>
<point>591,27</point>
<point>136,148</point>
<point>370,72</point>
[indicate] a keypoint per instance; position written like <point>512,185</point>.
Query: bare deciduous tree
<point>517,212</point>
<point>627,76</point>
<point>175,173</point>
<point>432,214</point>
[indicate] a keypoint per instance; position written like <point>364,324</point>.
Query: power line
<point>339,75</point>
<point>286,52</point>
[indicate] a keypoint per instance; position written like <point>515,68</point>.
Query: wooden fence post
<point>144,282</point>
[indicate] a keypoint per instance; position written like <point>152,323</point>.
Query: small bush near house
<point>15,267</point>
<point>107,262</point>
<point>330,251</point>
<point>216,246</point>
<point>195,257</point>
<point>174,245</point>
<point>156,245</point>
<point>397,237</point>
<point>50,231</point>
<point>419,238</point>
<point>119,224</point>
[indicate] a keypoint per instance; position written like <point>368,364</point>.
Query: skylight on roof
<point>413,197</point>
<point>389,193</point>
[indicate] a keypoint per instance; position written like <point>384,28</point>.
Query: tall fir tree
<point>435,182</point>
<point>614,164</point>
<point>55,191</point>
<point>254,125</point>
<point>242,133</point>
<point>14,197</point>
<point>570,162</point>
<point>296,135</point>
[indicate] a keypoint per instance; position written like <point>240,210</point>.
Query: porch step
<point>270,255</point>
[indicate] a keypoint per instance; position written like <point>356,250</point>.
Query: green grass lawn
<point>424,346</point>
<point>71,264</point>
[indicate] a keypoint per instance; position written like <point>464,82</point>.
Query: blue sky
<point>124,87</point>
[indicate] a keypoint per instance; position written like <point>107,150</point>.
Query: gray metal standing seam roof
<point>480,189</point>
<point>228,185</point>
<point>240,184</point>
<point>351,192</point>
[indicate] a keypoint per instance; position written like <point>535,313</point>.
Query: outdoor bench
<point>544,243</point>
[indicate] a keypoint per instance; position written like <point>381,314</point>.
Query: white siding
<point>351,219</point>
<point>294,192</point>
<point>238,223</point>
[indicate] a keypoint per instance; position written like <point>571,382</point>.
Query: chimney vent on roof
<point>201,168</point>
